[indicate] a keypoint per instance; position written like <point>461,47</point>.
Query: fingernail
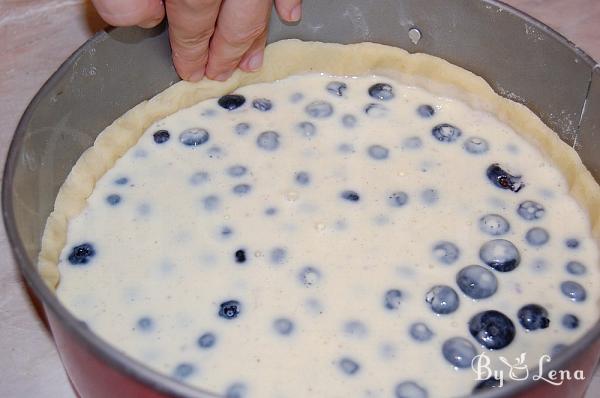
<point>223,76</point>
<point>296,13</point>
<point>255,61</point>
<point>197,76</point>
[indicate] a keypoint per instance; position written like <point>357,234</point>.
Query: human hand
<point>208,37</point>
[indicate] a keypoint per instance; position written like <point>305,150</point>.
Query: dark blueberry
<point>278,255</point>
<point>231,101</point>
<point>500,254</point>
<point>349,366</point>
<point>572,243</point>
<point>425,111</point>
<point>268,140</point>
<point>476,145</point>
<point>199,178</point>
<point>392,299</point>
<point>381,91</point>
<point>575,268</point>
<point>376,110</point>
<point>241,189</point>
<point>230,309</point>
<point>530,210</point>
<point>302,178</point>
<point>446,252</point>
<point>113,199</point>
<point>242,128</point>
<point>430,196</point>
<point>412,143</point>
<point>420,331</point>
<point>350,196</point>
<point>184,370</point>
<point>459,352</point>
<point>410,389</point>
<point>397,199</point>
<point>240,256</point>
<point>337,88</point>
<point>236,390</point>
<point>319,109</point>
<point>573,290</point>
<point>494,224</point>
<point>537,236</point>
<point>492,329</point>
<point>122,181</point>
<point>306,129</point>
<point>503,179</point>
<point>309,276</point>
<point>355,329</point>
<point>283,326</point>
<point>487,384</point>
<point>237,170</point>
<point>446,132</point>
<point>211,202</point>
<point>207,340</point>
<point>442,299</point>
<point>378,152</point>
<point>82,254</point>
<point>262,104</point>
<point>477,282</point>
<point>349,121</point>
<point>194,137</point>
<point>145,324</point>
<point>570,321</point>
<point>533,317</point>
<point>161,136</point>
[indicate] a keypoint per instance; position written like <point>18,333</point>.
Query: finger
<point>289,10</point>
<point>240,23</point>
<point>191,25</point>
<point>146,13</point>
<point>253,59</point>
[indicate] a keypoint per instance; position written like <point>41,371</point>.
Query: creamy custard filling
<point>331,236</point>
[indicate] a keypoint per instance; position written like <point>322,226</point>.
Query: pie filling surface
<point>331,236</point>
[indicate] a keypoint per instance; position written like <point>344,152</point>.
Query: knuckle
<point>239,37</point>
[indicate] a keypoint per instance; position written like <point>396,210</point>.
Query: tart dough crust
<point>291,57</point>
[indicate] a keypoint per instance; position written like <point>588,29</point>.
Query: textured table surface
<point>37,35</point>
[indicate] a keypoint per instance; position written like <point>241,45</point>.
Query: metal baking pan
<point>520,57</point>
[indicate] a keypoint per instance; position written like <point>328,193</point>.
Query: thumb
<point>145,13</point>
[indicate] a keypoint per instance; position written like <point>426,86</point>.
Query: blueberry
<point>199,177</point>
<point>302,178</point>
<point>82,254</point>
<point>309,276</point>
<point>430,196</point>
<point>378,152</point>
<point>306,129</point>
<point>446,132</point>
<point>446,252</point>
<point>184,370</point>
<point>262,104</point>
<point>573,290</point>
<point>350,196</point>
<point>215,152</point>
<point>355,329</point>
<point>537,236</point>
<point>230,309</point>
<point>500,254</point>
<point>113,199</point>
<point>122,181</point>
<point>337,88</point>
<point>494,224</point>
<point>492,329</point>
<point>442,299</point>
<point>145,324</point>
<point>349,121</point>
<point>398,199</point>
<point>207,340</point>
<point>459,352</point>
<point>570,321</point>
<point>237,170</point>
<point>575,268</point>
<point>319,109</point>
<point>211,202</point>
<point>412,143</point>
<point>161,136</point>
<point>240,256</point>
<point>268,140</point>
<point>278,255</point>
<point>242,189</point>
<point>425,111</point>
<point>381,91</point>
<point>271,211</point>
<point>296,97</point>
<point>486,384</point>
<point>376,110</point>
<point>226,231</point>
<point>476,145</point>
<point>236,390</point>
<point>420,332</point>
<point>572,243</point>
<point>194,136</point>
<point>392,299</point>
<point>503,179</point>
<point>533,317</point>
<point>231,101</point>
<point>530,210</point>
<point>349,366</point>
<point>477,282</point>
<point>242,128</point>
<point>283,326</point>
<point>410,389</point>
